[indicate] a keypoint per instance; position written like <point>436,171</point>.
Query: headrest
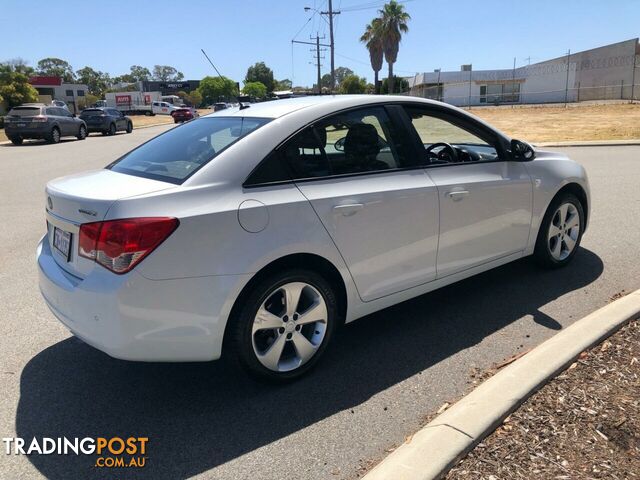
<point>362,139</point>
<point>307,138</point>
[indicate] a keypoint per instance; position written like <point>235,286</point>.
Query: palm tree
<point>372,38</point>
<point>393,23</point>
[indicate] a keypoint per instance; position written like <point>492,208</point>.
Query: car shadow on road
<point>199,416</point>
<point>35,143</point>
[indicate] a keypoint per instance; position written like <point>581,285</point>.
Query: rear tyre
<point>560,232</point>
<point>16,140</point>
<point>284,325</point>
<point>129,127</point>
<point>148,114</point>
<point>54,136</point>
<point>82,132</point>
<point>112,129</point>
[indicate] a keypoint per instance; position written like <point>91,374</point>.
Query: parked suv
<point>33,120</point>
<point>108,121</point>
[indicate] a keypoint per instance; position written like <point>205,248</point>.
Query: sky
<point>114,35</point>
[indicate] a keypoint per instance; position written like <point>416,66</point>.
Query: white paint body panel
<point>174,305</point>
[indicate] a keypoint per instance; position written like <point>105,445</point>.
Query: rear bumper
<point>133,318</point>
<point>41,131</point>
<point>97,127</point>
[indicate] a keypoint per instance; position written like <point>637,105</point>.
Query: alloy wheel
<point>564,231</point>
<point>289,327</point>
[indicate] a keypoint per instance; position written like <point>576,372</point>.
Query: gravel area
<point>584,424</point>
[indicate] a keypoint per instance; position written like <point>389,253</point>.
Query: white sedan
<point>257,231</point>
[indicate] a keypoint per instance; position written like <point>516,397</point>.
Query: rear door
<point>485,197</point>
<point>382,215</point>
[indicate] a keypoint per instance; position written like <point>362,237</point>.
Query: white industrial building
<point>603,73</point>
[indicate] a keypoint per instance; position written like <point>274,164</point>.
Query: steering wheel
<point>448,153</point>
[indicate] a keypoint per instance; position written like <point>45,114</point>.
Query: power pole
<point>331,13</point>
<point>633,77</point>
<point>317,57</point>
<point>566,87</point>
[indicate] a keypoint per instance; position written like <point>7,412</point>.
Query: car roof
<point>278,108</point>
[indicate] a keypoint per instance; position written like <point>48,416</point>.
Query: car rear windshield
<point>179,153</point>
<point>24,112</point>
<point>91,113</point>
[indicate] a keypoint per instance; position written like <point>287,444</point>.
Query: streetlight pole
<point>566,87</point>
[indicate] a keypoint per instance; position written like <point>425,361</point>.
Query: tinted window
<point>271,170</point>
<point>24,111</point>
<point>357,141</point>
<point>177,154</point>
<point>469,147</point>
<point>91,113</point>
<point>53,111</point>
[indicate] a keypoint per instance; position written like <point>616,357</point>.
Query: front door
<point>382,217</point>
<point>485,198</point>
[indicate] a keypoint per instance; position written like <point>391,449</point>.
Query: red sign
<point>147,99</point>
<point>123,100</point>
<point>45,81</point>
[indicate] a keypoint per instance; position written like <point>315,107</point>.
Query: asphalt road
<point>382,376</point>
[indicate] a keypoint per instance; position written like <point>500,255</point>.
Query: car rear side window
<point>179,153</point>
<point>354,142</point>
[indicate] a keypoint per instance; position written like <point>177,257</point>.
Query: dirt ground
<point>584,424</point>
<point>551,124</point>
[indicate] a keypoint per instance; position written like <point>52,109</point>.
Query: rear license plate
<point>62,242</point>
<point>21,124</point>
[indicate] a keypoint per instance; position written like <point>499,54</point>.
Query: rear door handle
<point>458,194</point>
<point>348,210</point>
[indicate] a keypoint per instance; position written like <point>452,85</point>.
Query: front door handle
<point>349,209</point>
<point>458,194</point>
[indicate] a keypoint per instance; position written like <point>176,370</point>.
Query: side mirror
<point>522,151</point>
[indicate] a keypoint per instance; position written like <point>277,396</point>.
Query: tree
<point>285,84</point>
<point>353,84</point>
<point>55,67</point>
<point>399,85</point>
<point>372,38</point>
<point>194,98</point>
<point>166,73</point>
<point>96,81</point>
<point>87,101</point>
<point>255,89</point>
<point>20,65</point>
<point>213,89</point>
<point>259,72</point>
<point>139,74</point>
<point>340,72</point>
<point>393,23</point>
<point>14,86</point>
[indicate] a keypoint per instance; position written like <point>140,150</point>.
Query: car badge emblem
<point>93,213</point>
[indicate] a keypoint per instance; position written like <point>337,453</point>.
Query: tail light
<point>119,245</point>
<point>39,118</point>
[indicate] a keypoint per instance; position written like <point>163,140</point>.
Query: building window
<point>500,93</point>
<point>69,93</point>
<point>81,93</point>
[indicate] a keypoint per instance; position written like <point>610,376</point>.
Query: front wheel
<point>112,129</point>
<point>129,127</point>
<point>560,232</point>
<point>285,325</point>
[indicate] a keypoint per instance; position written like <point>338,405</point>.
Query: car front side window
<point>448,143</point>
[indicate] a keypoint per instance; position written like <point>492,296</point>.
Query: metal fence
<point>555,81</point>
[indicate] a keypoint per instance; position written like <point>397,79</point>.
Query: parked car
<point>106,120</point>
<point>162,108</point>
<point>34,120</point>
<point>219,106</point>
<point>59,103</point>
<point>257,233</point>
<point>184,114</point>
